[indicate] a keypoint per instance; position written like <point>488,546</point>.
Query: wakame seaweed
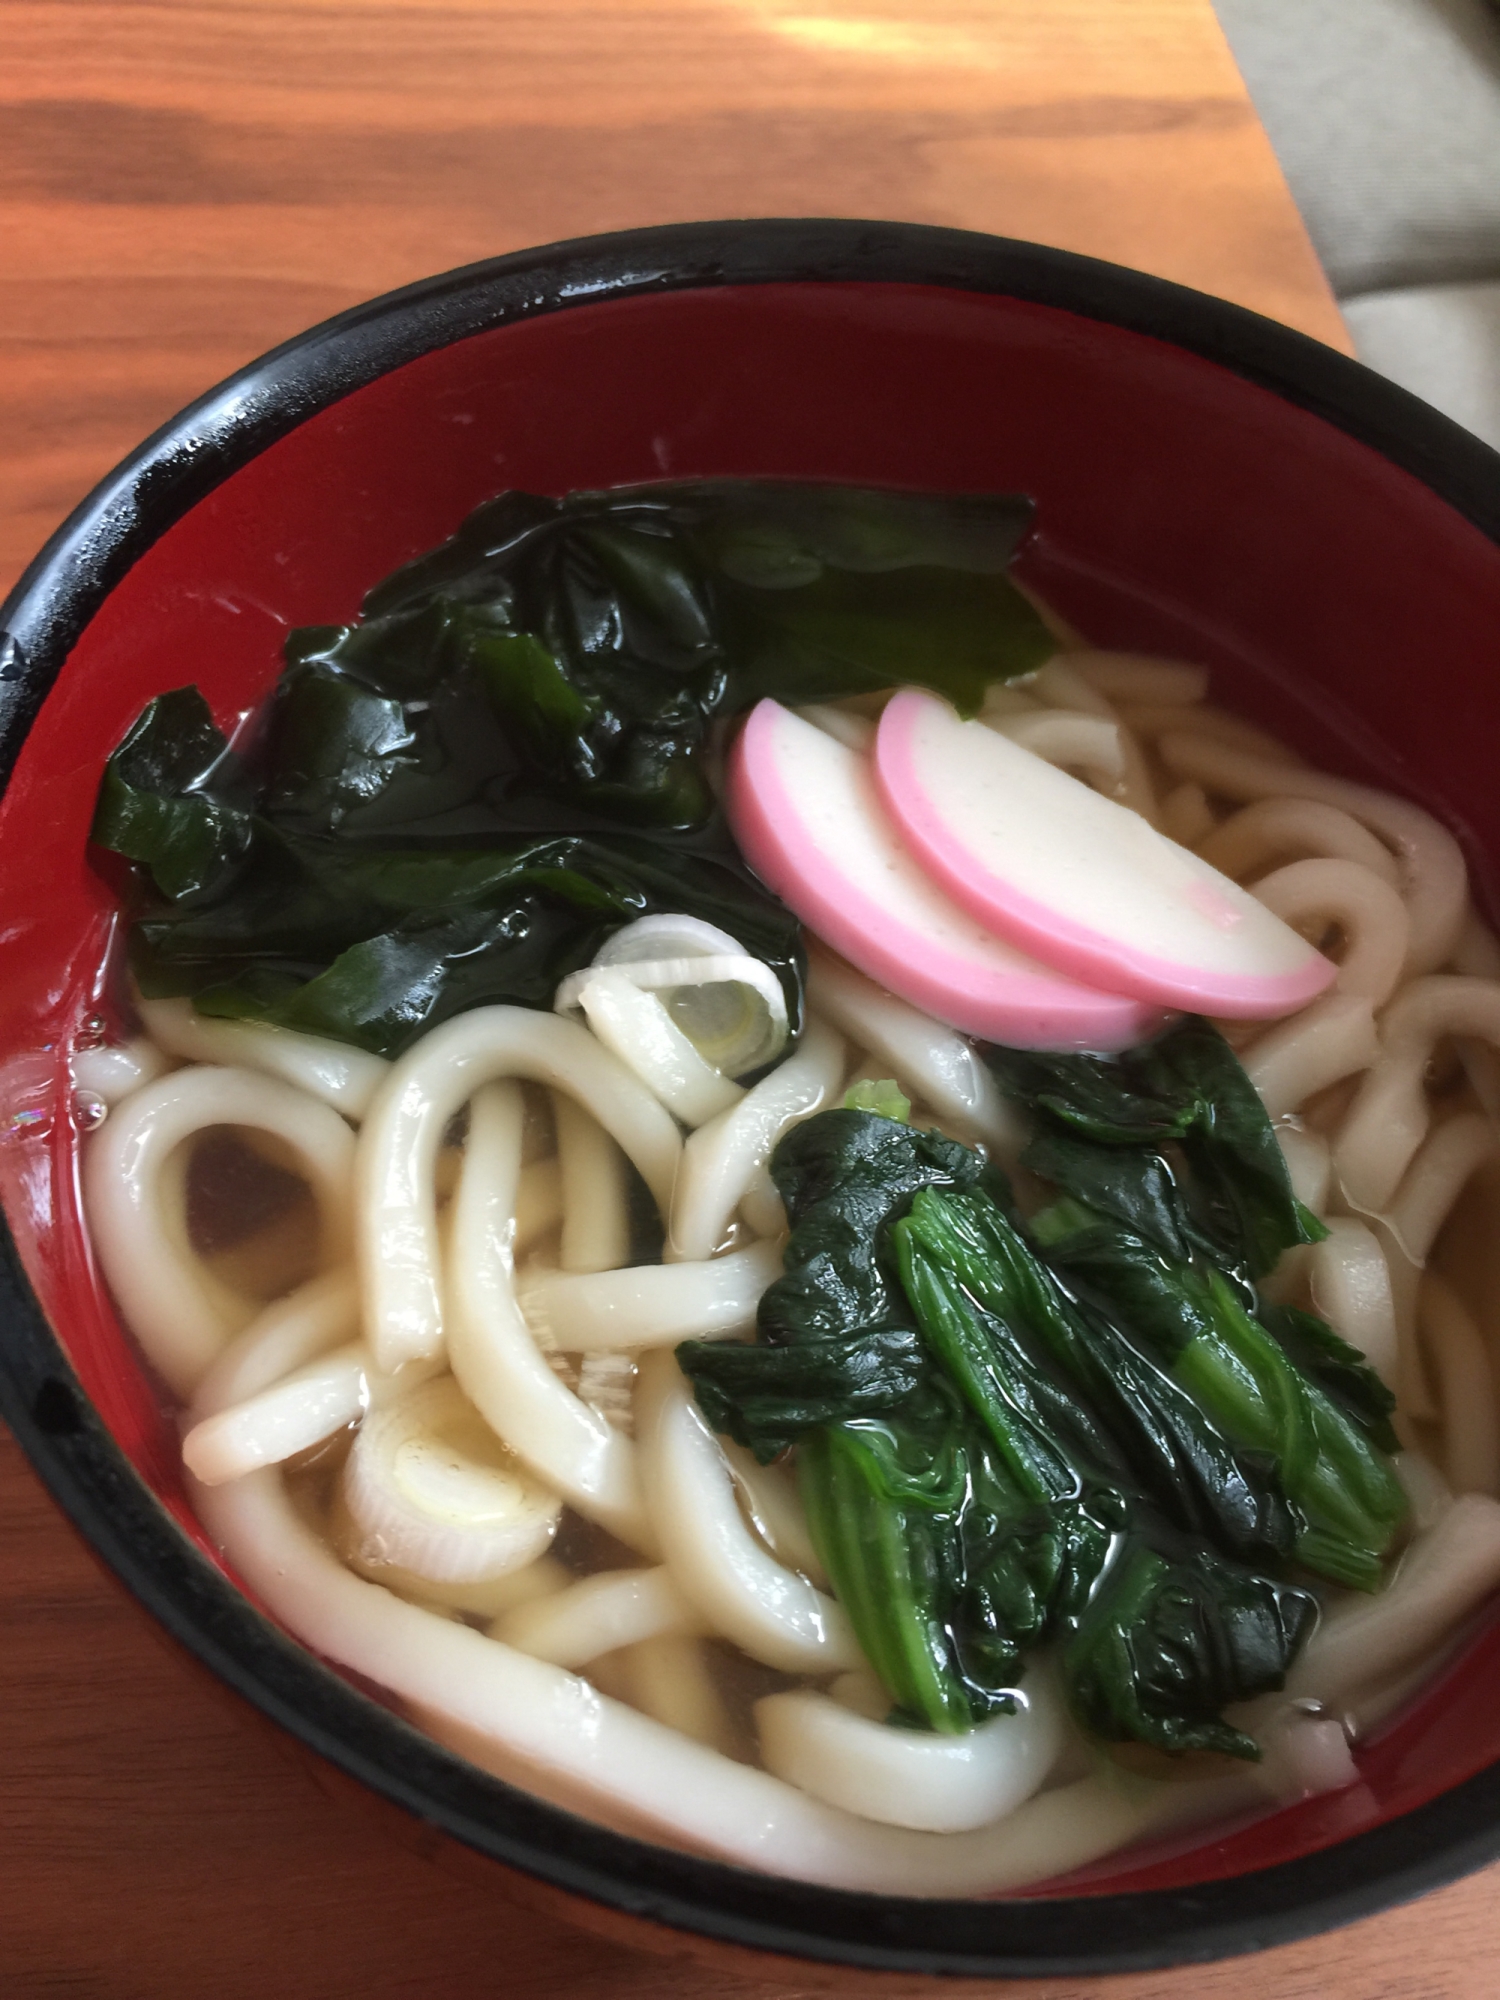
<point>372,943</point>
<point>453,800</point>
<point>605,630</point>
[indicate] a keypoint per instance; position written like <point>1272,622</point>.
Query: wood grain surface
<point>181,185</point>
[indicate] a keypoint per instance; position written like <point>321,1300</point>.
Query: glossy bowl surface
<point>1209,485</point>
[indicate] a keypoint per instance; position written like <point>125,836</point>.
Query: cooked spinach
<point>1157,1629</point>
<point>1174,1448</point>
<point>970,1497</point>
<point>1089,1429</point>
<point>837,1335</point>
<point>1184,1091</point>
<point>1176,1200</point>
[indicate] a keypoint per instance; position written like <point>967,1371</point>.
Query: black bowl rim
<point>89,1476</point>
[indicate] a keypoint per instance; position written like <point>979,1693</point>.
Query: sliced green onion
<point>730,1006</point>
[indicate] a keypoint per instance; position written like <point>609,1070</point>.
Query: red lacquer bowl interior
<point>1182,510</point>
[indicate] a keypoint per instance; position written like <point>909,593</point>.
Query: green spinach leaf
<point>971,1495</point>
<point>1184,1090</point>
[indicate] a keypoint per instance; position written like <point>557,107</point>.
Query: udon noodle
<point>462,1300</point>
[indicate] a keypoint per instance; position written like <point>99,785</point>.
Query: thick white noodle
<point>1186,815</point>
<point>345,1077</point>
<point>1477,952</point>
<point>403,1131</point>
<point>294,1377</point>
<point>930,1062</point>
<point>1060,685</point>
<point>1071,696</point>
<point>606,1382</point>
<point>855,732</point>
<point>637,1028</point>
<point>648,1305</point>
<point>1282,829</point>
<point>539,1203</point>
<point>113,1070</point>
<point>498,1364</point>
<point>1444,1575</point>
<point>595,1203</point>
<point>1309,1162</point>
<point>1004,698</point>
<point>1333,1038</point>
<point>722,1158</point>
<point>541,1727</point>
<point>497,1594</point>
<point>1140,677</point>
<point>1304,1755</point>
<point>1389,1118</point>
<point>1137,787</point>
<point>619,1607</point>
<point>546,1577</point>
<point>1415,1400</point>
<point>1088,743</point>
<point>1104,750</point>
<point>1434,881</point>
<point>1438,1175</point>
<point>1155,719</point>
<point>290,1332</point>
<point>292,1415</point>
<point>913,1777</point>
<point>1425,1487</point>
<point>1309,895</point>
<point>1466,1389</point>
<point>670,1676</point>
<point>769,1611</point>
<point>1351,1288</point>
<point>761,1208</point>
<point>768,1494</point>
<point>182,1317</point>
<point>1477,956</point>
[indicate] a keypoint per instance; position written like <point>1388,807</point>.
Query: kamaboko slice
<point>807,818</point>
<point>430,1489</point>
<point>1087,885</point>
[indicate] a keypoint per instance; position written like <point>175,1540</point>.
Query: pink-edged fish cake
<point>1087,885</point>
<point>806,815</point>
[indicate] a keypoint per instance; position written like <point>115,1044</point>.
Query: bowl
<point>1209,485</point>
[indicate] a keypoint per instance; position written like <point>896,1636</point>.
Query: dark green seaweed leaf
<point>387,853</point>
<point>608,628</point>
<point>175,798</point>
<point>372,945</point>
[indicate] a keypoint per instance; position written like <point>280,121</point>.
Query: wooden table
<point>185,184</point>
